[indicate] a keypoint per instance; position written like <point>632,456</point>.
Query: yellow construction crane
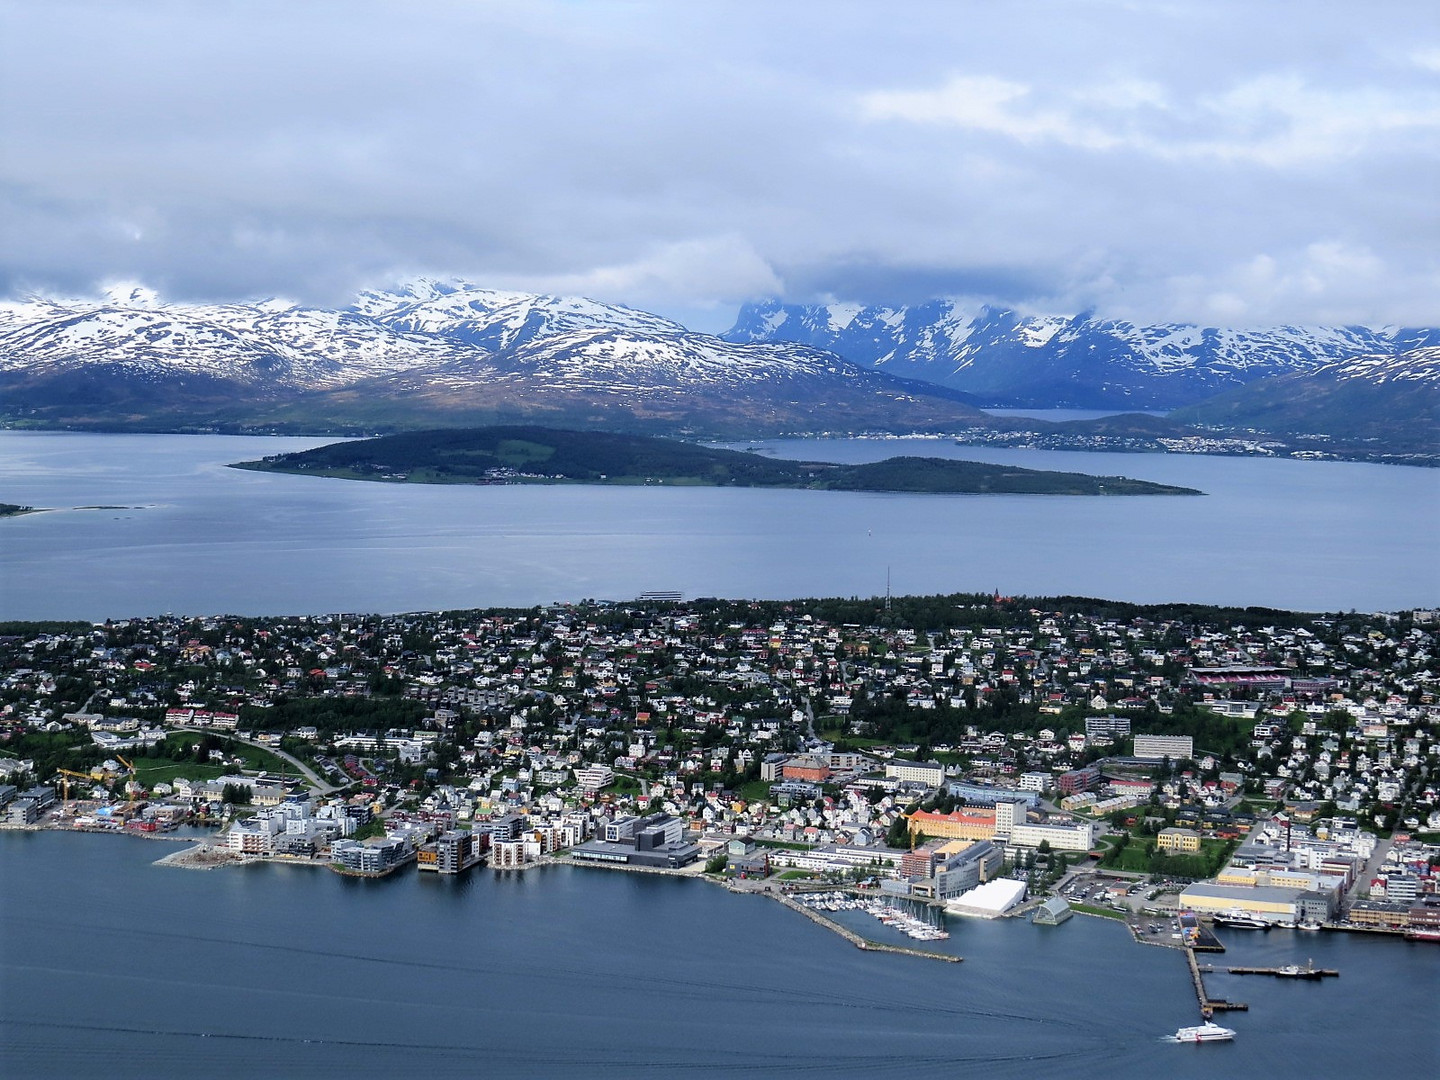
<point>132,786</point>
<point>65,775</point>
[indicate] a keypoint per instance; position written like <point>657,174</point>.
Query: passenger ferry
<point>1206,1032</point>
<point>1240,919</point>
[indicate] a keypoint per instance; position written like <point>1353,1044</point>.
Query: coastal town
<point>911,758</point>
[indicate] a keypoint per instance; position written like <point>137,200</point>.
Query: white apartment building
<point>931,773</point>
<point>1155,747</point>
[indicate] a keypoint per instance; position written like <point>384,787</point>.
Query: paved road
<point>321,786</point>
<point>1362,882</point>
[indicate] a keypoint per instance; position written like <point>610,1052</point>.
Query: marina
<point>817,914</point>
<point>908,923</point>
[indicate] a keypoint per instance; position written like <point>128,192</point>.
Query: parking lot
<point>1148,908</point>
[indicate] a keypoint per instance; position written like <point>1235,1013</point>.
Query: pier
<point>860,942</point>
<point>1209,1006</point>
<point>1288,971</point>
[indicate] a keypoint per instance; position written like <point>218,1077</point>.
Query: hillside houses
<point>703,711</point>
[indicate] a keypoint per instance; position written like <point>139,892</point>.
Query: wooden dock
<point>1209,1006</point>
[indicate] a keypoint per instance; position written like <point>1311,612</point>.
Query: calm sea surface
<point>1068,414</point>
<point>112,967</point>
<point>185,534</point>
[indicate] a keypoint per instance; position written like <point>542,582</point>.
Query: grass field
<point>151,771</point>
<point>1104,913</point>
<point>791,844</point>
<point>1133,858</point>
<point>756,791</point>
<point>834,734</point>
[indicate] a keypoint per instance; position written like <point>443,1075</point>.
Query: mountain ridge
<point>417,353</point>
<point>452,353</point>
<point>1009,359</point>
<point>1394,399</point>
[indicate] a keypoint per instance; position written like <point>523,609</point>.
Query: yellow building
<point>1271,903</point>
<point>970,824</point>
<point>1186,841</point>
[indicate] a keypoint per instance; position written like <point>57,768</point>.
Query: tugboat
<point>1206,1032</point>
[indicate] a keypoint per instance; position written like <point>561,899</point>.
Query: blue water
<point>1059,415</point>
<point>196,537</point>
<point>111,966</point>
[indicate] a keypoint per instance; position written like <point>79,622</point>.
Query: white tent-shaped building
<point>988,901</point>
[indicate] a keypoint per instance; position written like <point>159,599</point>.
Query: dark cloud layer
<point>1220,161</point>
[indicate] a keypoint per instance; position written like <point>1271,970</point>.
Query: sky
<point>1232,164</point>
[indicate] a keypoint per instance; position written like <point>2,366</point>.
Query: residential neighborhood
<point>927,746</point>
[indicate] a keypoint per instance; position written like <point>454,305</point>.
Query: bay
<point>186,534</point>
<point>111,965</point>
<point>1060,415</point>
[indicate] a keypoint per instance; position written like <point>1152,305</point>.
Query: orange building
<point>971,823</point>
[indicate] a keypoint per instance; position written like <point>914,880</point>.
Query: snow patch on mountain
<point>498,320</point>
<point>427,335</point>
<point>275,343</point>
<point>1416,366</point>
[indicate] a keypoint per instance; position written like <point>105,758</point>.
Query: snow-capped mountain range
<point>448,348</point>
<point>1005,358</point>
<point>270,345</point>
<point>445,353</point>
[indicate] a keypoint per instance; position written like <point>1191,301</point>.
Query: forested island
<point>539,455</point>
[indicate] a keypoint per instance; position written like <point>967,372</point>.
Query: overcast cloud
<point>1228,163</point>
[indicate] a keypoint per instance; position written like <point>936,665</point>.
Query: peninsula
<point>939,756</point>
<point>540,455</point>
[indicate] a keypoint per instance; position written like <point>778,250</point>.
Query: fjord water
<point>111,966</point>
<point>178,531</point>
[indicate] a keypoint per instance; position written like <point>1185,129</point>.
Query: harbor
<point>817,915</point>
<point>908,923</point>
<point>500,941</point>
